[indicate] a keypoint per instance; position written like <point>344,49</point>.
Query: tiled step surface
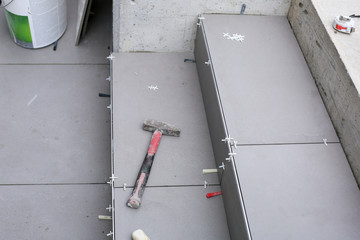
<point>266,90</point>
<point>177,100</point>
<point>172,213</point>
<point>55,127</point>
<point>303,191</point>
<point>54,212</point>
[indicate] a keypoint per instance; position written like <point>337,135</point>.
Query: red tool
<point>158,129</point>
<point>213,194</point>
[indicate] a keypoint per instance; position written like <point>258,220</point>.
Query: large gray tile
<point>299,192</point>
<point>94,48</point>
<point>267,92</point>
<point>172,213</point>
<point>54,212</point>
<point>55,128</point>
<point>179,160</point>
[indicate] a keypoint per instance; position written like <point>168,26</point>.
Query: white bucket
<point>35,23</point>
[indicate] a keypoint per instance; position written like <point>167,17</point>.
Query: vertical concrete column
<point>331,75</point>
<point>116,26</point>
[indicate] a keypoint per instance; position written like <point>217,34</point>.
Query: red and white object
<point>344,24</point>
<point>143,175</point>
<point>213,194</point>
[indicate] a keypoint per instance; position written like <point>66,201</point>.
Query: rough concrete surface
<point>333,59</point>
<point>169,26</point>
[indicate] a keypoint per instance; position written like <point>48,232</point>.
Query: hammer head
<point>166,129</point>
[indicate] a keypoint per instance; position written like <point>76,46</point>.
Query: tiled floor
<point>55,133</point>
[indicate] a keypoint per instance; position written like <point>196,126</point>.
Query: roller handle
<point>143,175</point>
<point>213,194</point>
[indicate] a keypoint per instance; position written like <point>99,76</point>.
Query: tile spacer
<point>110,57</point>
<point>108,78</point>
<point>153,87</point>
<point>124,186</point>
<point>109,106</point>
<point>222,166</point>
<point>325,141</point>
<point>109,208</point>
<point>113,177</point>
<point>227,139</point>
<point>232,154</point>
<point>110,234</point>
<point>234,143</point>
<point>205,184</point>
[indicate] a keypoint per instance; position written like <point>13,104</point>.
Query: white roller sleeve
<point>139,235</point>
<point>206,171</point>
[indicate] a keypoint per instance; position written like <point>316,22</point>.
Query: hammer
<point>158,129</point>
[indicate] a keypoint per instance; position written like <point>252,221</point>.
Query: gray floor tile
<point>92,49</point>
<point>55,128</point>
<point>266,89</point>
<point>172,213</point>
<point>54,212</point>
<point>179,160</point>
<point>299,192</point>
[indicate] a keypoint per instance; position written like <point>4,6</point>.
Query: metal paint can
<point>35,23</point>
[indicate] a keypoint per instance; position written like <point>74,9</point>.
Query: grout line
<point>52,64</point>
<point>284,144</point>
<point>48,184</point>
<point>172,186</point>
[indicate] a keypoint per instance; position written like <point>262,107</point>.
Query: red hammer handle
<point>143,175</point>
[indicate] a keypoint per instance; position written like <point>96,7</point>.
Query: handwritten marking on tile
<point>32,100</point>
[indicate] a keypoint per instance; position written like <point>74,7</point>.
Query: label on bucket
<point>19,29</point>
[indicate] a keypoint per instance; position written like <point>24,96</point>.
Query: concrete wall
<point>169,26</point>
<point>333,59</point>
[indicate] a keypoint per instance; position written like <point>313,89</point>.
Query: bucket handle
<point>1,6</point>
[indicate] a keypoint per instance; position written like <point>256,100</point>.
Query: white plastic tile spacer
<point>227,139</point>
<point>109,106</point>
<point>110,234</point>
<point>205,184</point>
<point>201,18</point>
<point>208,63</point>
<point>108,79</point>
<point>234,143</point>
<point>325,141</point>
<point>113,177</point>
<point>226,35</point>
<point>222,166</point>
<point>153,87</point>
<point>229,159</point>
<point>110,57</point>
<point>109,208</point>
<point>124,186</point>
